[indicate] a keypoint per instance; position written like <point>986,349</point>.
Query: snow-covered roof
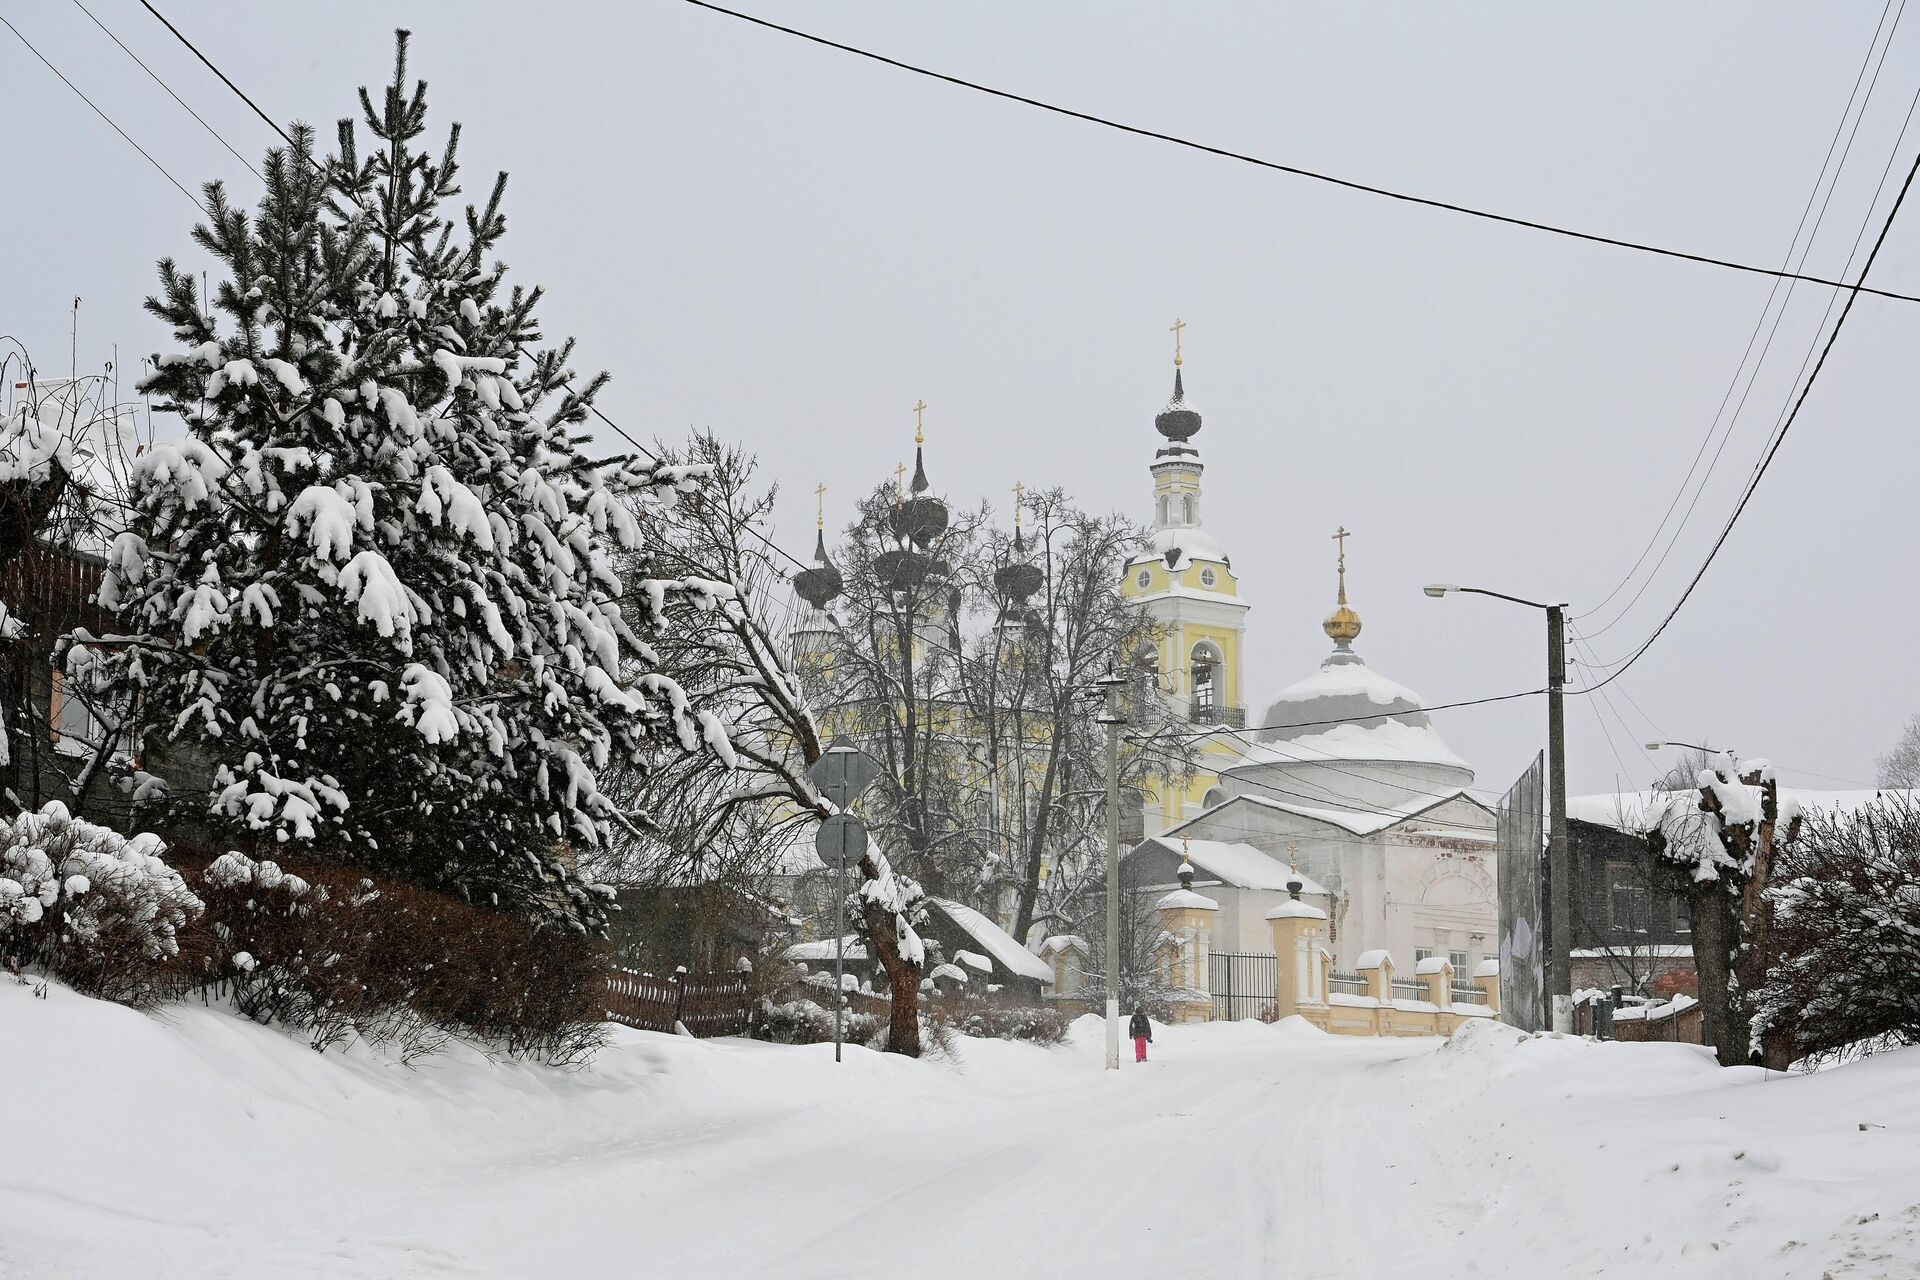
<point>1188,899</point>
<point>1293,909</point>
<point>1645,950</point>
<point>974,960</point>
<point>1347,711</point>
<point>1637,811</point>
<point>1432,964</point>
<point>1488,968</point>
<point>1240,864</point>
<point>1366,822</point>
<point>1065,942</point>
<point>1372,959</point>
<point>823,950</point>
<point>995,941</point>
<point>1190,541</point>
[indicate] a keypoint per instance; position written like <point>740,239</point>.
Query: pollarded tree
<point>374,583</point>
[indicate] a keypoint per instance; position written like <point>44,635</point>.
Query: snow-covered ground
<point>195,1144</point>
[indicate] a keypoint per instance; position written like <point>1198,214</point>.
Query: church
<point>1343,783</point>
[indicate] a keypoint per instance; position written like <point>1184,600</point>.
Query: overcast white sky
<point>791,246</point>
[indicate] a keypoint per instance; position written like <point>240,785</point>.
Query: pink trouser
<point>1139,1048</point>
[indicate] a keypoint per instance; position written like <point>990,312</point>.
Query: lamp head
<point>1439,589</point>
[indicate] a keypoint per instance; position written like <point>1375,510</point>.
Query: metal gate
<point>1242,984</point>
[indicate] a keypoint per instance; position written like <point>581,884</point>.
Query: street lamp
<point>1559,864</point>
<point>1691,746</point>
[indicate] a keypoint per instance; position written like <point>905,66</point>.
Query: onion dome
<point>921,517</point>
<point>906,568</point>
<point>1179,422</point>
<point>820,584</point>
<point>1343,624</point>
<point>1017,580</point>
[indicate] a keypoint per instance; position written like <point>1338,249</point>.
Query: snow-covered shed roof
<point>1240,864</point>
<point>823,950</point>
<point>1636,811</point>
<point>994,940</point>
<point>1065,942</point>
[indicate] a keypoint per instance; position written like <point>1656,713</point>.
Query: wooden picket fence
<point>706,1004</point>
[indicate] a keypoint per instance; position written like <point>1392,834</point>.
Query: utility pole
<point>1559,870</point>
<point>1113,719</point>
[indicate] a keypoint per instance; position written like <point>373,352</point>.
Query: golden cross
<point>920,422</point>
<point>1178,325</point>
<point>900,478</point>
<point>1018,489</point>
<point>1184,851</point>
<point>1341,537</point>
<point>1293,857</point>
<point>820,513</point>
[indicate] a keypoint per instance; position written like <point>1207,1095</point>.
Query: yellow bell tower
<point>1184,579</point>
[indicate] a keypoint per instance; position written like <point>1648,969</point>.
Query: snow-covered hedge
<point>998,1019</point>
<point>804,1022</point>
<point>100,910</point>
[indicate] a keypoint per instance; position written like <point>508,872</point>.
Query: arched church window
<point>1209,670</point>
<point>1186,508</point>
<point>1166,505</point>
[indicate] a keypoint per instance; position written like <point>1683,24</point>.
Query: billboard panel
<point>1522,855</point>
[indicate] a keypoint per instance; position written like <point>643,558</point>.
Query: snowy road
<point>203,1146</point>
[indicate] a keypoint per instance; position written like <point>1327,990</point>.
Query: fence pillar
<point>1377,968</point>
<point>1187,917</point>
<point>1436,980</point>
<point>1299,975</point>
<point>1486,976</point>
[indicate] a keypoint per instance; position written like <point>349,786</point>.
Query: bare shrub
<point>998,1018</point>
<point>341,957</point>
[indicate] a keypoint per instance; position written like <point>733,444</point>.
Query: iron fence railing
<point>1242,984</point>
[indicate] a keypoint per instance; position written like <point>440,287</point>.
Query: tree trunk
<point>903,976</point>
<point>1726,1025</point>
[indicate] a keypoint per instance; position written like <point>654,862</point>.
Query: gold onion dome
<point>1343,624</point>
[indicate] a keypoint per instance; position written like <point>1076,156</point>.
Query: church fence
<point>1242,984</point>
<point>1351,984</point>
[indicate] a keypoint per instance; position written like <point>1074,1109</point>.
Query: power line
<point>1779,439</point>
<point>1866,220</point>
<point>288,139</point>
<point>1295,170</point>
<point>1759,323</point>
<point>103,115</point>
<point>169,91</point>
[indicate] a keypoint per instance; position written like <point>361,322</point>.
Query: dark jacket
<point>1140,1028</point>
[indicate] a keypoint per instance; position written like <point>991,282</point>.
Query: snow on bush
<point>1846,931</point>
<point>100,910</point>
<point>374,583</point>
<point>804,1022</point>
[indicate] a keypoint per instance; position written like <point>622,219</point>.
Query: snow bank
<point>198,1144</point>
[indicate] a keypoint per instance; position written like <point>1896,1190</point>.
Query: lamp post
<point>1691,746</point>
<point>1112,685</point>
<point>1559,868</point>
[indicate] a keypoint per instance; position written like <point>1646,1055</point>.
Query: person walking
<point>1141,1029</point>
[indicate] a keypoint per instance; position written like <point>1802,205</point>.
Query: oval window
<point>1208,577</point>
<point>1145,579</point>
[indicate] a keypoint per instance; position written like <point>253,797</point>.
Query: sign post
<point>841,773</point>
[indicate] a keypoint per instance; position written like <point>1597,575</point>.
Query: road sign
<point>843,771</point>
<point>841,841</point>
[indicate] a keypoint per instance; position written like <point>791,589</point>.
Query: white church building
<point>1343,782</point>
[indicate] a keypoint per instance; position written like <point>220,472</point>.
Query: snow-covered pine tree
<point>373,584</point>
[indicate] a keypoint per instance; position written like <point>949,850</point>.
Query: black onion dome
<point>903,570</point>
<point>1017,580</point>
<point>821,583</point>
<point>1178,422</point>
<point>922,517</point>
